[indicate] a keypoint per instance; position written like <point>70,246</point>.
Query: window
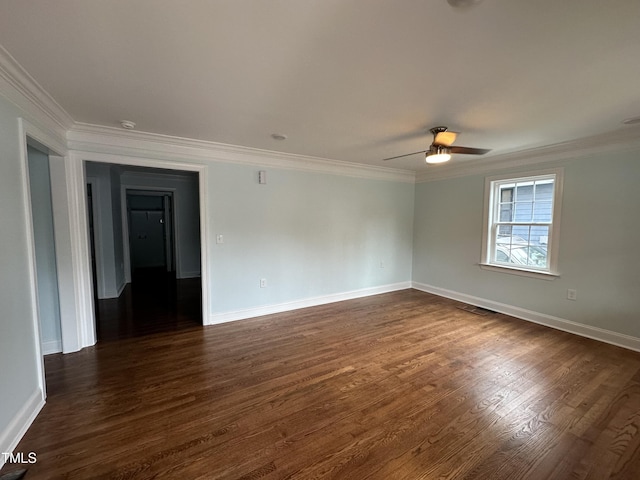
<point>522,222</point>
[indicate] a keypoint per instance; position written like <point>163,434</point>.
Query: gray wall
<point>19,378</point>
<point>308,234</point>
<point>599,255</point>
<point>46,271</point>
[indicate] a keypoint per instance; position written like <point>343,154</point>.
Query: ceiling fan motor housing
<point>439,150</point>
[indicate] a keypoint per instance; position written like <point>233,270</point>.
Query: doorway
<point>147,242</point>
<point>46,269</point>
<point>151,230</point>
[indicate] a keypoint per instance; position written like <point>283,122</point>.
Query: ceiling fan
<point>440,150</point>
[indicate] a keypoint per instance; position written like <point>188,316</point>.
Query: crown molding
<point>616,141</point>
<point>109,140</point>
<point>21,89</point>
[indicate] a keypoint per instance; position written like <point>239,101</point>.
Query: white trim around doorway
<point>80,242</point>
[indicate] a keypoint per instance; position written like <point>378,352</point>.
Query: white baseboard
<point>595,333</point>
<point>304,303</point>
<point>112,293</point>
<point>183,275</point>
<point>16,429</point>
<point>53,346</point>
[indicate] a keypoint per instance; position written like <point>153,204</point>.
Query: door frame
<point>32,135</point>
<point>80,240</point>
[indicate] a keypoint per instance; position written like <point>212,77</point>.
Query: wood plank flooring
<point>154,302</point>
<point>404,385</point>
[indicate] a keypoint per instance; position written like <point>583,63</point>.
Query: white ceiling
<point>352,80</point>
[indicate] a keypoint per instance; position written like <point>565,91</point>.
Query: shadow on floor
<point>155,301</point>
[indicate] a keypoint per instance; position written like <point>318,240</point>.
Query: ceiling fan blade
<point>445,138</point>
<point>405,155</point>
<point>470,151</point>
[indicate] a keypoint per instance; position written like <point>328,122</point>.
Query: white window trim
<point>554,234</point>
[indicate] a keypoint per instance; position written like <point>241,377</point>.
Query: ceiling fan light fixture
<point>438,158</point>
<point>440,150</point>
<point>438,154</point>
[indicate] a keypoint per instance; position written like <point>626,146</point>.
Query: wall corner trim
<point>16,429</point>
<point>594,333</point>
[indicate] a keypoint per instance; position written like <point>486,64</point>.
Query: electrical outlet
<point>572,294</point>
<point>263,283</point>
<point>219,238</point>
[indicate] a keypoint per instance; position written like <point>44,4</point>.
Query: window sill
<point>520,271</point>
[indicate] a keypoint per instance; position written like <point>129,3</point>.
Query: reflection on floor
<point>153,302</point>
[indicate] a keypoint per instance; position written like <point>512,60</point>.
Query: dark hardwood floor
<point>404,385</point>
<point>153,302</point>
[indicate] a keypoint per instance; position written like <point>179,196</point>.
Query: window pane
<point>524,245</point>
<point>523,212</point>
<point>520,233</point>
<point>504,231</point>
<point>544,191</point>
<point>537,256</point>
<point>519,255</point>
<point>543,211</point>
<point>506,194</point>
<point>505,204</point>
<point>506,212</point>
<point>502,251</point>
<point>501,256</point>
<point>524,192</point>
<point>517,250</point>
<point>539,235</point>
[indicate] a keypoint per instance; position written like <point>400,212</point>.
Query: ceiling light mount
<point>127,124</point>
